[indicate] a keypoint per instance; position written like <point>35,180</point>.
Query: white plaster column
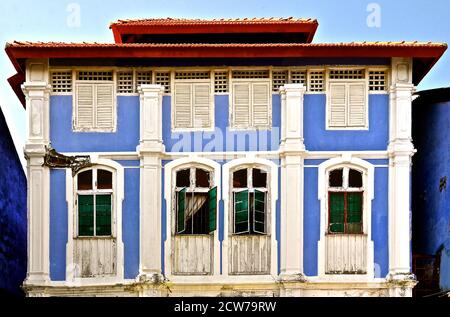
<point>150,149</point>
<point>400,150</point>
<point>37,90</point>
<point>292,151</point>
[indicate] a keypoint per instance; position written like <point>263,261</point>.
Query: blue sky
<point>339,21</point>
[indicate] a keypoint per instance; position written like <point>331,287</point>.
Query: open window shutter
<point>357,105</point>
<point>261,104</point>
<point>103,215</point>
<point>105,105</point>
<point>86,215</point>
<point>202,105</point>
<point>241,105</point>
<point>183,106</point>
<point>212,199</point>
<point>84,106</point>
<point>337,212</point>
<point>338,105</point>
<point>181,207</point>
<point>259,212</point>
<point>241,212</point>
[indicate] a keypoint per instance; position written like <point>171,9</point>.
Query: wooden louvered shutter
<point>261,104</point>
<point>338,105</point>
<point>183,106</point>
<point>357,105</point>
<point>212,204</point>
<point>84,103</point>
<point>241,105</point>
<point>105,106</point>
<point>202,105</point>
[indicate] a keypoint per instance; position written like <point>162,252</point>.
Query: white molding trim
<point>169,176</point>
<point>272,168</point>
<point>369,183</point>
<point>118,188</point>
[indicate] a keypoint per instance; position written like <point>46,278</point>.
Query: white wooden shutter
<point>357,105</point>
<point>105,106</point>
<point>338,105</point>
<point>183,106</point>
<point>261,104</point>
<point>241,105</point>
<point>84,103</point>
<point>202,105</point>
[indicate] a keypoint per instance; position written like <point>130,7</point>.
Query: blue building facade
<point>13,216</point>
<point>225,167</point>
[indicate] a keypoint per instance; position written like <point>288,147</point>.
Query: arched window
<point>94,196</point>
<point>345,201</point>
<point>249,201</point>
<point>196,201</point>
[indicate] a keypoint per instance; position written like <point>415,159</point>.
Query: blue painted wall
<point>59,221</point>
<point>63,139</point>
<point>317,138</point>
<point>311,224</point>
<point>266,140</point>
<point>13,216</point>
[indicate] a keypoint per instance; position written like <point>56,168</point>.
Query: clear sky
<point>339,21</point>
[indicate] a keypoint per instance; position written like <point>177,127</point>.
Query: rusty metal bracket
<point>57,160</point>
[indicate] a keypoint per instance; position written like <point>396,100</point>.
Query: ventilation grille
<point>143,78</point>
<point>220,82</point>
<point>377,80</point>
<point>93,76</point>
<point>279,78</point>
<point>347,74</point>
<point>316,81</point>
<point>298,77</point>
<point>163,78</point>
<point>250,74</point>
<point>125,83</point>
<point>61,81</point>
<point>192,75</point>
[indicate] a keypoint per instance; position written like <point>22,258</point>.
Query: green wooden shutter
<point>103,215</point>
<point>180,210</point>
<point>85,215</point>
<point>354,212</point>
<point>259,210</point>
<point>241,212</point>
<point>212,198</point>
<point>337,211</point>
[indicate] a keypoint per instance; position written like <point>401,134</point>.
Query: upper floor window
<point>196,201</point>
<point>192,101</point>
<point>94,197</point>
<point>249,201</point>
<point>347,99</point>
<point>345,201</point>
<point>94,102</point>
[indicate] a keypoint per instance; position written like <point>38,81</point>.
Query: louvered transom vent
<point>221,82</point>
<point>95,75</point>
<point>279,78</point>
<point>298,77</point>
<point>125,83</point>
<point>347,74</point>
<point>192,75</point>
<point>316,81</point>
<point>377,80</point>
<point>163,78</point>
<point>250,74</point>
<point>61,81</point>
<point>143,78</point>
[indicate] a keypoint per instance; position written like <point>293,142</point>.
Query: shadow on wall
<point>13,217</point>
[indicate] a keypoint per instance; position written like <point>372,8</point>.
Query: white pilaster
<point>400,151</point>
<point>150,150</point>
<point>292,154</point>
<point>37,90</point>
